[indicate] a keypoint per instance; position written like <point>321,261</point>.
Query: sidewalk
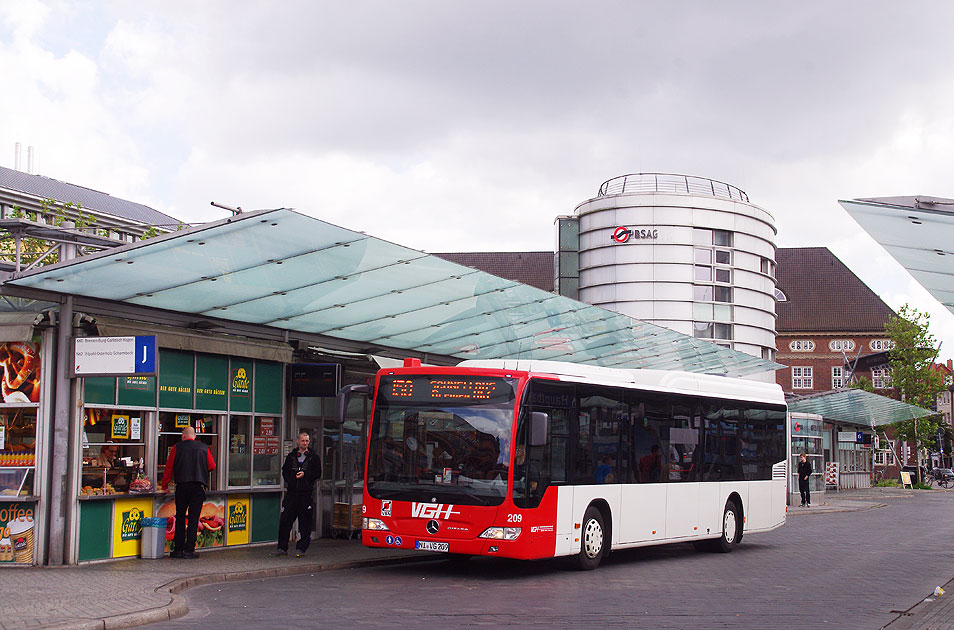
<point>127,593</point>
<point>851,500</point>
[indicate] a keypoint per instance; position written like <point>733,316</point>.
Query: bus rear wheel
<point>731,519</point>
<point>593,540</point>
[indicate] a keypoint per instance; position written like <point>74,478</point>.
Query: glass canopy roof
<point>918,232</point>
<point>283,269</point>
<point>858,407</point>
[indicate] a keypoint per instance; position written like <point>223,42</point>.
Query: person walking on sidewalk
<point>804,474</point>
<point>301,470</point>
<point>188,465</point>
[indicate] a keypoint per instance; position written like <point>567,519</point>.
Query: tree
<point>911,360</point>
<point>55,214</point>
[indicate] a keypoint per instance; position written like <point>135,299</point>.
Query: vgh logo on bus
<point>432,510</point>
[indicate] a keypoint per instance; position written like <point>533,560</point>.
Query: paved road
<point>839,570</point>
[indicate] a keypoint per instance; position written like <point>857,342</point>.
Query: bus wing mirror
<point>539,422</point>
<point>344,397</point>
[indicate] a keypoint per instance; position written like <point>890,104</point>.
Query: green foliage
<point>912,356</point>
<point>911,359</point>
<point>887,483</point>
<point>920,486</point>
<point>32,248</point>
<point>863,383</point>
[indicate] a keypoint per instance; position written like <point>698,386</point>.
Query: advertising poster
<point>237,522</point>
<point>127,525</point>
<point>120,426</point>
<point>211,528</point>
<point>17,537</point>
<point>20,361</point>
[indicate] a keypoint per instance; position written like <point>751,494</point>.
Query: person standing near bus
<point>189,464</point>
<point>804,474</point>
<point>301,470</point>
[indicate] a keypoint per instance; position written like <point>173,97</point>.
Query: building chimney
<point>16,156</point>
<point>30,160</point>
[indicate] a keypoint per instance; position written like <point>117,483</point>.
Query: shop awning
<point>858,407</point>
<point>918,232</point>
<point>286,270</point>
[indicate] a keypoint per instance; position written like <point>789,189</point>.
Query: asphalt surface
<point>893,592</point>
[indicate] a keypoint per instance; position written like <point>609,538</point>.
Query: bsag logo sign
<point>386,507</point>
<point>622,234</point>
<point>432,510</point>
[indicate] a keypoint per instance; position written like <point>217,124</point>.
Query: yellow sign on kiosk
<point>127,525</point>
<point>237,523</point>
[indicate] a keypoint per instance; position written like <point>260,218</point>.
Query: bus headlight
<point>501,533</point>
<point>374,524</point>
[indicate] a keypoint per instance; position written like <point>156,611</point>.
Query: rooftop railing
<point>635,183</point>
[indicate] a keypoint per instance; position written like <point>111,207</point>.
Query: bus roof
<point>657,380</point>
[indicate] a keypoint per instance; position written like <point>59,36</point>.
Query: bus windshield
<point>442,439</point>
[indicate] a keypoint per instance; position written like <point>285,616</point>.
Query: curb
<point>834,510</point>
<point>177,607</point>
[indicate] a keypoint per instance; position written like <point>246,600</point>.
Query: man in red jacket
<point>189,465</point>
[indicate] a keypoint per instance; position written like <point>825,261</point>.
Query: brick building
<point>830,325</point>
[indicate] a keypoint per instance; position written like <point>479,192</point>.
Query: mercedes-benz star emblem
<point>432,527</point>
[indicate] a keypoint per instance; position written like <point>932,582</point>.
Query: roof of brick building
<point>531,268</point>
<point>824,295</point>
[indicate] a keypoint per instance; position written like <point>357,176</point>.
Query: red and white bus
<point>536,459</point>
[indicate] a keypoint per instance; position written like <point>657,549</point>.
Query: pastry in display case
<point>17,451</point>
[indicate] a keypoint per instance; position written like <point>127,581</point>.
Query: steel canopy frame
<point>285,270</point>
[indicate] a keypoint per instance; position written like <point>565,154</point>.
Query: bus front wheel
<point>731,518</point>
<point>593,540</point>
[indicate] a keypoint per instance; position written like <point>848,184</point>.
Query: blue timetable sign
<point>114,356</point>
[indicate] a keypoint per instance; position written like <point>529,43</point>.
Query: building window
<point>707,293</point>
<point>703,256</point>
<point>767,267</point>
<point>837,345</point>
<point>703,274</point>
<point>780,297</point>
<point>723,275</point>
<point>802,345</point>
<point>723,257</point>
<point>837,377</point>
<point>801,378</point>
<point>880,345</point>
<point>711,330</point>
<point>768,354</point>
<point>881,377</point>
<point>722,238</point>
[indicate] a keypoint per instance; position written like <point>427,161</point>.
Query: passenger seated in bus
<point>650,466</point>
<point>604,472</point>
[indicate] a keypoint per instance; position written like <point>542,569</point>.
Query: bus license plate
<point>425,545</point>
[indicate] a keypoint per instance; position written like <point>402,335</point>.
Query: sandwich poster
<point>211,528</point>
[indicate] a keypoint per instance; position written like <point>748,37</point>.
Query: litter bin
<point>153,537</point>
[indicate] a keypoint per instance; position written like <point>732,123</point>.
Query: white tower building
<point>688,253</point>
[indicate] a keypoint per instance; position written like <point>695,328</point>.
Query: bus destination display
<point>452,389</point>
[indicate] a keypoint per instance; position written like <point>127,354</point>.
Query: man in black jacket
<point>804,474</point>
<point>301,470</point>
<point>189,464</point>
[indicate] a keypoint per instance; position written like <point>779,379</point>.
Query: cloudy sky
<point>468,126</point>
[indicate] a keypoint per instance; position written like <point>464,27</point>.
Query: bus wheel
<point>730,528</point>
<point>593,543</point>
